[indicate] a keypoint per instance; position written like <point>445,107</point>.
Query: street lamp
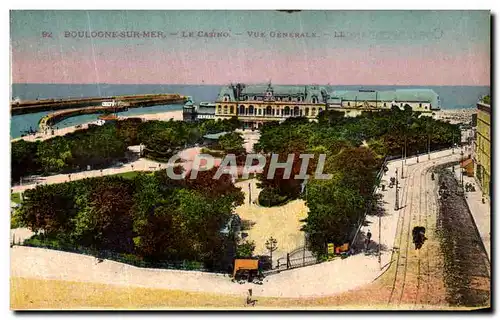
<point>461,169</point>
<point>271,245</point>
<point>396,203</point>
<point>402,161</point>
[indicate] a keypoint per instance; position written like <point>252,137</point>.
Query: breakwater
<point>52,118</point>
<point>132,101</point>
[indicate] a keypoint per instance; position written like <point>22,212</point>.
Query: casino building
<point>256,104</point>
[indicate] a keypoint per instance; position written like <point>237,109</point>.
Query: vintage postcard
<point>250,160</point>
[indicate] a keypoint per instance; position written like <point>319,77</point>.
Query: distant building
<point>192,112</point>
<point>423,100</point>
<point>256,104</point>
<point>482,151</point>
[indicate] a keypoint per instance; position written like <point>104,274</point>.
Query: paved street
<point>481,212</point>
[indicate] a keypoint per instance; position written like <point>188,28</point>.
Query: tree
<point>232,143</point>
<point>334,210</point>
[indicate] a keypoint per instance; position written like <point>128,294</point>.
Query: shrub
<point>245,249</point>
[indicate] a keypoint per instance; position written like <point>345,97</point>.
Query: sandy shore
<point>455,115</point>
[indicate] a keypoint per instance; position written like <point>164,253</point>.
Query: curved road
<point>415,275</point>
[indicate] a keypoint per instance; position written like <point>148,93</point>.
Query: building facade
<point>422,100</point>
<point>482,148</point>
<point>192,112</point>
<point>257,104</point>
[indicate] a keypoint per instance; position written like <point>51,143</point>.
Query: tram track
<point>401,266</point>
<point>417,208</point>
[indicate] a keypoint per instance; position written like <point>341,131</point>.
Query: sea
<point>452,97</point>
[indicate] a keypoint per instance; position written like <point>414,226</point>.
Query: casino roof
<point>399,95</point>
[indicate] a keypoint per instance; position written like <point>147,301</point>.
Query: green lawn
<point>130,174</point>
<point>15,197</point>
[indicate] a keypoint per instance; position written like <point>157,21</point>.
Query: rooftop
<point>215,136</point>
<point>399,95</point>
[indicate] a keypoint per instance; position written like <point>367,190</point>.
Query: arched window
<point>306,112</point>
<point>385,105</point>
<point>225,109</point>
<point>269,110</point>
<point>296,111</point>
<point>250,110</point>
<point>226,98</point>
<point>313,112</point>
<point>231,110</point>
<point>242,109</point>
<point>348,104</point>
<point>420,105</point>
<point>314,99</point>
<point>287,111</point>
<point>219,109</point>
<point>259,111</point>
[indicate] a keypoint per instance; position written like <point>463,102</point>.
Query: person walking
<point>250,301</point>
<point>368,239</point>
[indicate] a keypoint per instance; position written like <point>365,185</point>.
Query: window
<point>226,98</point>
<point>296,111</point>
<point>269,110</point>
<point>307,112</point>
<point>420,105</point>
<point>231,110</point>
<point>348,104</point>
<point>258,112</point>
<point>219,109</point>
<point>314,99</point>
<point>385,104</point>
<point>225,109</point>
<point>287,111</point>
<point>313,111</point>
<point>242,109</point>
<point>250,110</point>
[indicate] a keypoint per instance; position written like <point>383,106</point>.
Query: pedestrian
<point>368,239</point>
<point>249,298</point>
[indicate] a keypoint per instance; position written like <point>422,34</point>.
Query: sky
<point>307,47</point>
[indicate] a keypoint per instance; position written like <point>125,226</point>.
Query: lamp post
<point>405,148</point>
<point>396,203</point>
<point>429,146</point>
<point>402,155</point>
<point>453,142</point>
<point>461,169</point>
<point>271,245</point>
<point>249,194</point>
<point>380,236</point>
